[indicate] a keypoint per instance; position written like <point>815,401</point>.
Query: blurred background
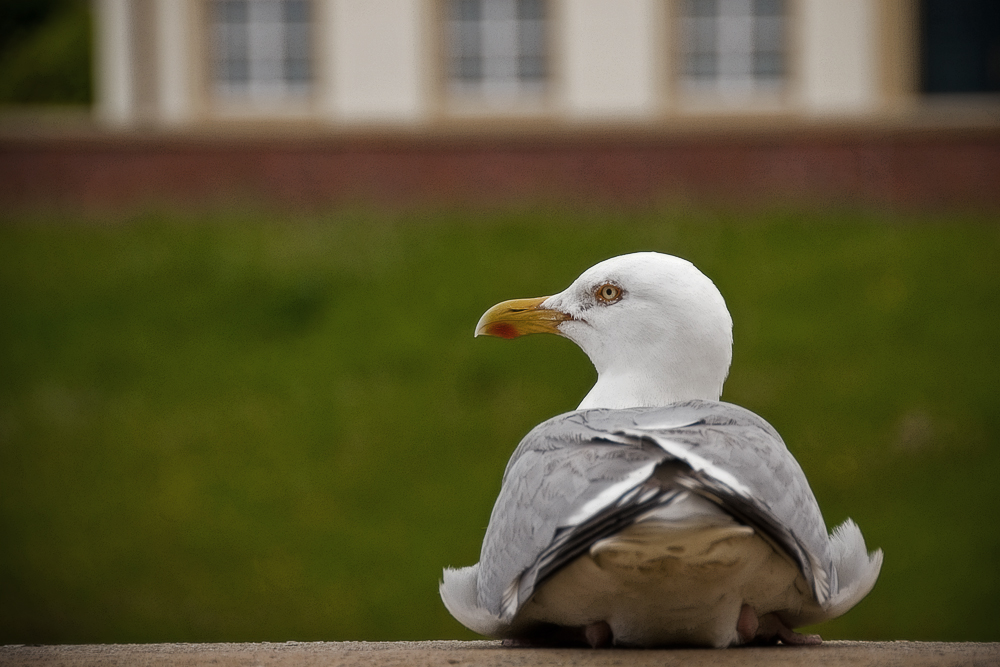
<point>244,243</point>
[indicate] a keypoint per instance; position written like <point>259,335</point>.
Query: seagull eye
<point>608,293</point>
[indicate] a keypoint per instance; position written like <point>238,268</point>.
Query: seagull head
<point>655,327</point>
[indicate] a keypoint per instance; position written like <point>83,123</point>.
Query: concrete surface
<point>491,654</point>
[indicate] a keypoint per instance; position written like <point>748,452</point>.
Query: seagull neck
<point>631,390</point>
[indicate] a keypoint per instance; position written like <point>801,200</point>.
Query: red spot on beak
<point>503,330</point>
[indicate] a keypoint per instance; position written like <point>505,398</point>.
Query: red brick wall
<point>954,168</point>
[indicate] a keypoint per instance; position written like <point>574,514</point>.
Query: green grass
<point>247,427</point>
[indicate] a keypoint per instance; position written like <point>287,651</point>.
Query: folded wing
<point>584,476</point>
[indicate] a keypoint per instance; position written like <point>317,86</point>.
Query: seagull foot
<point>769,629</point>
<point>520,643</point>
<point>747,624</point>
<point>598,634</point>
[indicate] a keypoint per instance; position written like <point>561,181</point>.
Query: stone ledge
<point>491,654</point>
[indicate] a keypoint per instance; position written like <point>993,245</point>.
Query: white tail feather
<point>857,569</point>
<point>459,594</point>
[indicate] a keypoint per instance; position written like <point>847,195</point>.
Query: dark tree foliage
<point>45,52</point>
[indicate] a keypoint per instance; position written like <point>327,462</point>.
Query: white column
<point>174,46</point>
<point>326,59</point>
<point>115,86</point>
<point>609,57</point>
<point>838,56</point>
<point>377,57</point>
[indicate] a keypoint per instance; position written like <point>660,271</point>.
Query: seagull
<point>654,514</point>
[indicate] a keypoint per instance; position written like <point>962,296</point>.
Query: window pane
<point>702,66</point>
<point>706,8</point>
<point>465,42</point>
<point>530,10</point>
<point>297,70</point>
<point>297,41</point>
<point>769,34</point>
<point>703,35</point>
<point>232,11</point>
<point>531,39</point>
<point>466,10</point>
<point>296,11</point>
<point>768,66</point>
<point>769,8</point>
<point>234,71</point>
<point>531,68</point>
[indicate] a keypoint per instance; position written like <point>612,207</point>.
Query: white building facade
<point>380,64</point>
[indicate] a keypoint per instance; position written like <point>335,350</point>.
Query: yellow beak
<point>519,317</point>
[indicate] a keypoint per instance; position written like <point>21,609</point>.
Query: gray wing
<point>585,475</point>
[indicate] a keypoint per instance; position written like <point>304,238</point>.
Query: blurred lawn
<point>250,427</point>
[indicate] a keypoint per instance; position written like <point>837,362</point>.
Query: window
<point>497,48</point>
<point>960,46</point>
<point>261,48</point>
<point>733,45</point>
